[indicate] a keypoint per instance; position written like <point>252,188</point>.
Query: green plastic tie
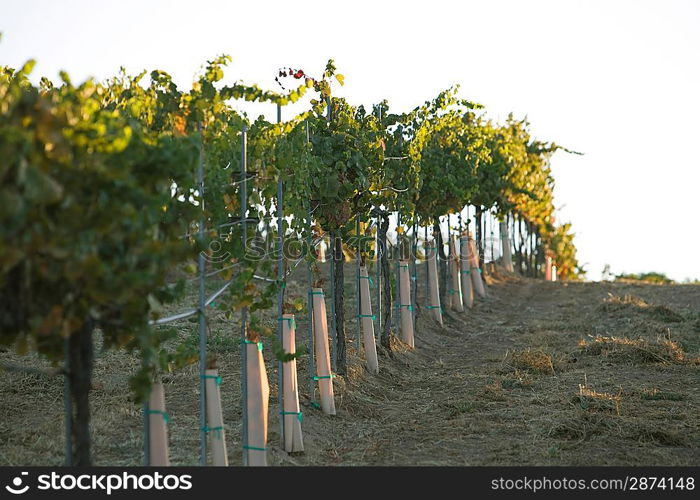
<point>217,378</point>
<point>292,321</point>
<point>319,377</point>
<point>404,265</point>
<point>315,405</point>
<point>300,415</point>
<point>260,344</point>
<point>255,448</point>
<point>465,272</point>
<point>367,316</point>
<point>216,430</point>
<point>315,293</point>
<point>165,415</point>
<point>371,281</point>
<point>407,306</point>
<point>435,307</point>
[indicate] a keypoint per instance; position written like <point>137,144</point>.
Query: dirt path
<point>497,385</point>
<point>455,400</point>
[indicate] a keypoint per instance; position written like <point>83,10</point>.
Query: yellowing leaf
<point>340,78</point>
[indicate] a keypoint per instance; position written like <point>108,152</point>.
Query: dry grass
<point>624,349</point>
<point>659,395</point>
<point>662,313</point>
<point>529,360</point>
<point>582,426</point>
<point>616,303</point>
<point>589,399</point>
<point>454,400</point>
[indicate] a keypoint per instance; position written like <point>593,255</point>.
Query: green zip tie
<point>315,293</point>
<point>300,415</point>
<point>319,377</point>
<point>315,405</point>
<point>407,306</point>
<point>165,415</point>
<point>246,447</point>
<point>260,344</point>
<point>452,292</point>
<point>371,281</point>
<point>216,378</point>
<point>367,316</point>
<point>434,307</point>
<point>403,265</point>
<point>292,321</point>
<point>217,430</point>
<point>465,272</point>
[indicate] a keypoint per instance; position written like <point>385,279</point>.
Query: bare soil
<point>535,374</point>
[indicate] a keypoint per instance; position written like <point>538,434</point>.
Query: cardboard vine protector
<point>215,420</point>
<point>433,286</point>
<point>367,322</point>
<point>505,246</point>
<point>258,402</point>
<point>455,293</point>
<point>158,420</point>
<point>477,281</point>
<point>465,272</point>
<point>406,304</point>
<point>323,358</point>
<point>293,440</point>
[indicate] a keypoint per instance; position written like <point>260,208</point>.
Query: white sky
<point>617,80</point>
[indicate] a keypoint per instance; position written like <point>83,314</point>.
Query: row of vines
<point>109,189</point>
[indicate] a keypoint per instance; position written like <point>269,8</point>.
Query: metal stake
<point>244,310</point>
<point>202,318</point>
